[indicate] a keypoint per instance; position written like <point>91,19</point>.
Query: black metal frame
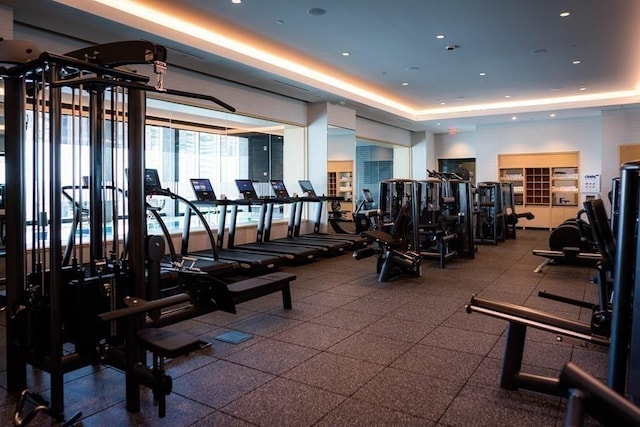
<point>49,303</point>
<point>39,85</point>
<point>490,225</point>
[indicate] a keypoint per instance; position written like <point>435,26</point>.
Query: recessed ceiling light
<point>279,21</point>
<point>582,88</point>
<point>576,62</point>
<point>316,11</point>
<point>236,1</point>
<point>440,36</point>
<point>507,96</point>
<point>565,13</point>
<point>405,84</point>
<point>443,103</point>
<point>514,118</point>
<point>552,115</point>
<point>483,74</point>
<point>345,54</point>
<point>541,51</point>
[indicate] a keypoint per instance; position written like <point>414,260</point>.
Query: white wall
<point>341,147</point>
<point>422,154</point>
<point>619,127</point>
<point>374,131</point>
<point>582,135</point>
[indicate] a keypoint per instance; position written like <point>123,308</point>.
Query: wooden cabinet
<point>545,184</point>
<point>564,186</point>
<point>560,214</point>
<point>515,177</point>
<point>537,184</point>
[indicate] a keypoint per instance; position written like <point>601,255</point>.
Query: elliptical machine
<point>364,217</point>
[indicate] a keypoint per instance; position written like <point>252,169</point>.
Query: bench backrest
<point>600,229</point>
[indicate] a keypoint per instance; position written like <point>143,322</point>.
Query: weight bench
<point>163,344</point>
<point>255,287</point>
<point>519,318</point>
<point>160,342</point>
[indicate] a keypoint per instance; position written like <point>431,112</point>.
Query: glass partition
<point>377,161</point>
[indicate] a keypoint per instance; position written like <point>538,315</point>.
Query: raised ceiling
<point>498,60</point>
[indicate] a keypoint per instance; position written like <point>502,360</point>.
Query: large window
<point>374,163</point>
<point>181,142</point>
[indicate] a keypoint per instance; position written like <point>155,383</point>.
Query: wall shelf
<point>340,179</point>
<point>546,184</point>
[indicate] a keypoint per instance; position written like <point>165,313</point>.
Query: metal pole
<point>15,119</point>
<point>96,147</point>
<point>137,232</point>
<point>623,283</point>
<point>55,248</point>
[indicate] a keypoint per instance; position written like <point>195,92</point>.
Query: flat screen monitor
<point>279,189</point>
<point>368,197</point>
<point>246,189</point>
<point>151,181</point>
<point>307,188</point>
<point>203,189</point>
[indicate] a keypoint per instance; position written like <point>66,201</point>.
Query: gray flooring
<point>354,352</point>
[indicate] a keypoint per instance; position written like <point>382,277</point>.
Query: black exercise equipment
<point>394,245</point>
<point>605,243</point>
<point>249,262</point>
<point>624,355</point>
<point>570,243</point>
<point>511,217</point>
<point>310,198</point>
<point>57,302</point>
<point>624,337</point>
<point>363,218</point>
<point>327,245</point>
<point>446,217</point>
<point>490,219</point>
<point>293,253</point>
<point>588,395</point>
<point>520,318</point>
<point>436,225</point>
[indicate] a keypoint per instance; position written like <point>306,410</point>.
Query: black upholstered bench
<point>259,286</point>
<point>162,344</point>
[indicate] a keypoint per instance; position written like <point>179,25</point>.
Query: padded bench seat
<point>166,343</point>
<point>259,286</point>
<point>163,344</point>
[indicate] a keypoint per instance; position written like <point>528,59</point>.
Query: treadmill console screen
<point>151,181</point>
<point>307,188</point>
<point>203,189</point>
<point>279,189</point>
<point>246,189</point>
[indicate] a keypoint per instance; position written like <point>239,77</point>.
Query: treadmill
<point>309,195</point>
<point>250,262</point>
<point>296,254</point>
<point>325,242</point>
<point>212,266</point>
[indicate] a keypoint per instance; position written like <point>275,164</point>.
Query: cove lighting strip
<point>212,41</point>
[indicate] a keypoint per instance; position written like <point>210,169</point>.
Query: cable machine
<point>75,137</point>
<point>490,227</point>
<point>396,242</point>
